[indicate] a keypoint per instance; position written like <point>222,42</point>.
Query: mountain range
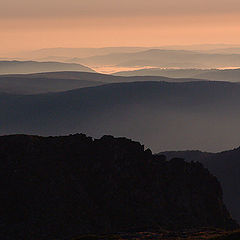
<point>164,59</point>
<point>232,75</point>
<point>15,67</point>
<point>57,184</point>
<point>66,53</point>
<point>68,80</point>
<point>44,82</point>
<point>171,73</point>
<point>155,113</point>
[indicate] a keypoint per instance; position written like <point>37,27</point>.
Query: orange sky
<point>29,24</point>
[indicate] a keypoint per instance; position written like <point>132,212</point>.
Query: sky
<point>32,24</point>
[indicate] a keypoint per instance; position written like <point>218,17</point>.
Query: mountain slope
<point>224,165</point>
<point>62,187</point>
<point>12,67</point>
<point>164,114</point>
<point>36,84</point>
<point>63,81</point>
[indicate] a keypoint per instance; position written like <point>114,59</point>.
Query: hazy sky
<point>29,24</point>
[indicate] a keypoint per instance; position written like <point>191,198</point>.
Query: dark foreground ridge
<point>64,187</point>
<point>225,166</point>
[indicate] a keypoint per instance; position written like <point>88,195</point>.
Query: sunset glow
<point>29,24</point>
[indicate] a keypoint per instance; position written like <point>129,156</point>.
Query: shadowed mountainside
<point>46,82</point>
<point>156,113</point>
<point>62,187</point>
<point>12,67</point>
<point>226,166</point>
<point>68,80</point>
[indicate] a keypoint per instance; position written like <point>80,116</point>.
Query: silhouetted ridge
<point>225,166</point>
<point>62,187</point>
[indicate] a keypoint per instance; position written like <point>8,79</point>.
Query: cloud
<point>111,8</point>
<point>75,23</point>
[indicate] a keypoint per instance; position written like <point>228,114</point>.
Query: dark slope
<point>12,67</point>
<point>62,187</point>
<point>165,58</point>
<point>41,84</point>
<point>224,165</point>
<point>63,81</point>
<point>164,114</point>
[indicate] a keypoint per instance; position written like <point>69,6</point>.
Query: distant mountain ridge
<point>64,81</point>
<point>41,84</point>
<point>164,58</point>
<point>80,52</point>
<point>156,113</point>
<point>15,67</point>
<point>221,75</point>
<point>175,73</point>
<point>87,52</point>
<point>232,75</point>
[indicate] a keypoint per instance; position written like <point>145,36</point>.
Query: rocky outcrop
<point>225,166</point>
<point>62,187</point>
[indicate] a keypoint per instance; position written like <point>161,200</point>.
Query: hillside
<point>63,187</point>
<point>14,67</point>
<point>64,81</point>
<point>155,113</point>
<point>42,83</point>
<point>225,165</point>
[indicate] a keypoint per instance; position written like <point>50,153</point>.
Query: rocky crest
<point>62,187</point>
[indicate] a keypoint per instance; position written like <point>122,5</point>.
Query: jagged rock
<point>62,187</point>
